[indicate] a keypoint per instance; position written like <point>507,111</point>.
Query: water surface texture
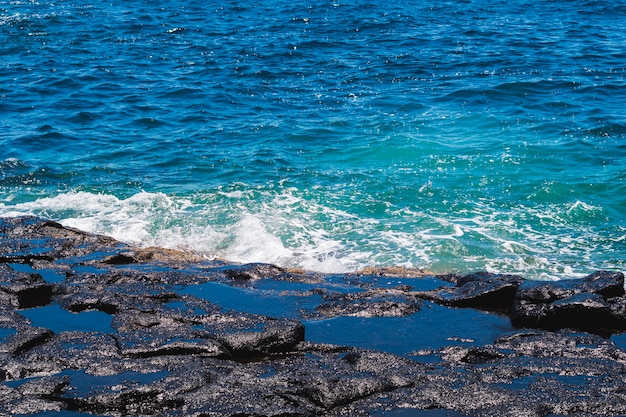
<point>450,135</point>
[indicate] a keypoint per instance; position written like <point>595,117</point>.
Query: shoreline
<point>91,325</point>
<point>266,236</point>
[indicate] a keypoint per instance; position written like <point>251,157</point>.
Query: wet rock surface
<point>593,303</point>
<point>90,326</point>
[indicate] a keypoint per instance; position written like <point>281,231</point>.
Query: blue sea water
<point>452,135</point>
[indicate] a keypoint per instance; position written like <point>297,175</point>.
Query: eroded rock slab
<point>485,291</point>
<point>594,303</point>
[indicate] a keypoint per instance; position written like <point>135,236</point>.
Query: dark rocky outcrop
<point>91,326</point>
<point>252,271</point>
<point>594,303</point>
<point>491,292</point>
<point>590,304</point>
<point>30,290</point>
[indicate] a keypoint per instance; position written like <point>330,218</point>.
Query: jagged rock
<point>30,290</point>
<point>252,271</point>
<point>27,239</point>
<point>483,291</point>
<point>126,396</point>
<point>93,353</point>
<point>275,337</point>
<point>118,276</point>
<point>589,304</point>
<point>160,342</point>
<point>204,329</point>
<point>535,373</point>
<point>608,284</point>
<point>120,259</point>
<point>311,382</point>
<point>25,339</point>
<point>113,298</point>
<point>30,295</point>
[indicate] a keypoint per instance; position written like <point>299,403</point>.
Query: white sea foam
<point>287,229</point>
<point>154,219</point>
<point>253,243</point>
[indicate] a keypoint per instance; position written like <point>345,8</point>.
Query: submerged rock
<point>394,302</point>
<point>90,325</point>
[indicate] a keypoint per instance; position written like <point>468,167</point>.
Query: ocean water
<point>454,136</point>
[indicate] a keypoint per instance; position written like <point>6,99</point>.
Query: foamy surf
<point>285,229</point>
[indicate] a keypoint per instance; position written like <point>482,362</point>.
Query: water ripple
<point>393,126</point>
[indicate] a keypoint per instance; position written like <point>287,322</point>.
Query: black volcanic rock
<point>30,290</point>
<point>252,271</point>
<point>29,239</point>
<point>201,328</point>
<point>25,339</point>
<point>371,303</point>
<point>589,304</point>
<point>485,291</point>
<point>89,325</point>
<point>605,283</point>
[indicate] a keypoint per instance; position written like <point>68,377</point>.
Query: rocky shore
<point>91,326</point>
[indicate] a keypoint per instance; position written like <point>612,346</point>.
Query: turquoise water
<point>453,136</point>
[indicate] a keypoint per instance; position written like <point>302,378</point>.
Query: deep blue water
<point>450,135</point>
